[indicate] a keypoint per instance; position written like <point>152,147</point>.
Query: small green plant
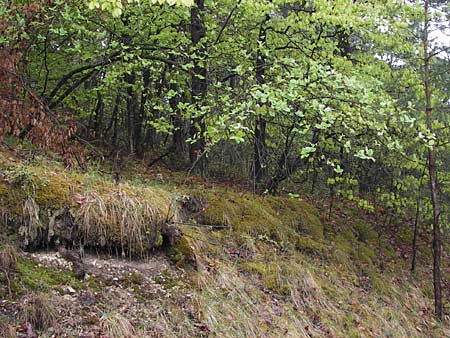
<point>22,178</point>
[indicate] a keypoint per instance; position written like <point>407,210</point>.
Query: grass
<point>123,216</point>
<point>8,258</point>
<point>8,264</point>
<point>7,331</point>
<point>117,326</point>
<point>37,311</point>
<point>272,272</point>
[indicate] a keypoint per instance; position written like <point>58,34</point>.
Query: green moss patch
<point>276,218</point>
<point>39,278</point>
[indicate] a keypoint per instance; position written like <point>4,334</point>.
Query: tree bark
<point>99,109</point>
<point>141,115</point>
<point>432,170</point>
<point>416,226</point>
<point>198,90</point>
<point>178,137</point>
<point>260,148</point>
<point>131,110</point>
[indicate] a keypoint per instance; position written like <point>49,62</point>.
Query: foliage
<point>346,100</point>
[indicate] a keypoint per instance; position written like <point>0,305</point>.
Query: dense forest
<point>342,102</point>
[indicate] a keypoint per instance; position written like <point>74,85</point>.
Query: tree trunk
<point>178,137</point>
<point>198,90</point>
<point>113,121</point>
<point>140,115</point>
<point>416,226</point>
<point>131,110</point>
<point>432,171</point>
<point>98,116</point>
<point>416,232</point>
<point>259,152</point>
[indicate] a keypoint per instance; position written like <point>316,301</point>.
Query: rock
<point>75,258</point>
<point>68,289</point>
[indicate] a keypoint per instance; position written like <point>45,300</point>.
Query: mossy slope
<point>270,270</point>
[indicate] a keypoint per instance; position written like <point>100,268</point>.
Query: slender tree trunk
<point>115,121</point>
<point>98,116</point>
<point>414,241</point>
<point>178,137</point>
<point>151,139</point>
<point>282,171</point>
<point>330,207</point>
<point>416,226</point>
<point>432,171</point>
<point>140,115</point>
<point>198,90</point>
<point>260,150</point>
<point>131,110</point>
<point>114,114</point>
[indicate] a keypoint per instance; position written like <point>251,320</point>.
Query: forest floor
<point>238,264</point>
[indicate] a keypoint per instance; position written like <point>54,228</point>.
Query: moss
<point>275,279</point>
<point>35,277</point>
<point>182,253</point>
<point>405,235</point>
<point>11,199</point>
<point>275,218</point>
<point>298,214</point>
<point>135,228</point>
<point>378,284</point>
<point>255,267</point>
<point>365,254</point>
<point>365,232</point>
<point>51,191</point>
<point>348,235</point>
<point>54,191</point>
<point>342,253</point>
<point>308,245</point>
<point>273,276</point>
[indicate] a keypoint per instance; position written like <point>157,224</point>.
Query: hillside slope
<point>195,260</point>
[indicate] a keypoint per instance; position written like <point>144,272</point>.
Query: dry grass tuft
<point>8,263</point>
<point>37,310</point>
<point>124,217</point>
<point>7,331</point>
<point>31,221</point>
<point>114,325</point>
<point>8,258</point>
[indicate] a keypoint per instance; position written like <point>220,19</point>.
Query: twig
<point>226,22</point>
<point>216,226</point>
<point>194,164</point>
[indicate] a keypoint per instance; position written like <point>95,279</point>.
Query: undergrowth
<point>255,266</point>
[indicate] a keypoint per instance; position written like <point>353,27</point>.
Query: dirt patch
<point>140,292</point>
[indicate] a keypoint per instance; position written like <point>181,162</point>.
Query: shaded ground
<point>139,291</point>
<point>232,264</point>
